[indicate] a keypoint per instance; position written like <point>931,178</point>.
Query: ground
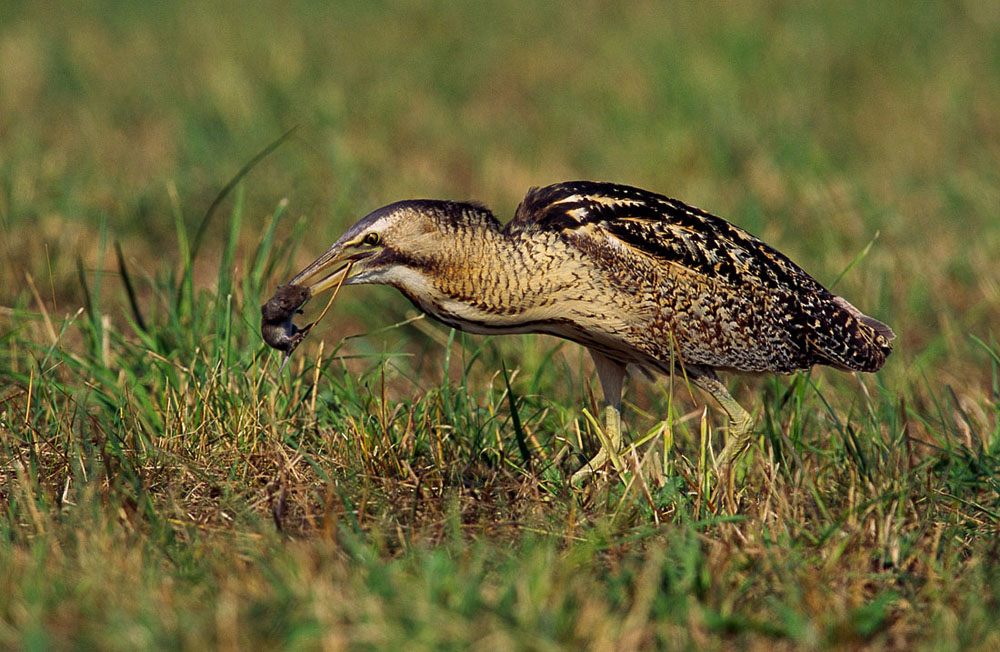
<point>403,485</point>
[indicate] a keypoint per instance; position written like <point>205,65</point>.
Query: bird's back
<point>699,285</point>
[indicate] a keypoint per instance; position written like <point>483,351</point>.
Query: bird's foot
<point>726,488</point>
<point>585,472</point>
<point>740,436</point>
<point>611,442</point>
<point>581,476</point>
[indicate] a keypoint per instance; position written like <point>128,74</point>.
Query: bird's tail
<point>850,340</point>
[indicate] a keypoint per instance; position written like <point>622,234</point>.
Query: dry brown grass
<point>162,489</point>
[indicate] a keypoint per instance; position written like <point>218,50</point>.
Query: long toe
<point>590,468</point>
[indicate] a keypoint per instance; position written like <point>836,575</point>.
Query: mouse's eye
<point>371,239</point>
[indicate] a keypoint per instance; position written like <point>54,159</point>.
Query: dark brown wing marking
<point>830,330</point>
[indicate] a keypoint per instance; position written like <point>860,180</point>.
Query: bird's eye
<point>371,239</point>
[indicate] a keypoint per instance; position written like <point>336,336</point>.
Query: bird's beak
<point>339,258</point>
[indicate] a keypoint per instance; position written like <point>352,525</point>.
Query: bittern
<point>635,277</point>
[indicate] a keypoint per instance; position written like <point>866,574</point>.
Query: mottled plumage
<point>730,300</point>
<point>634,276</point>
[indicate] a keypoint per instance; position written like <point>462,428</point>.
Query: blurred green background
<point>141,468</point>
<point>813,125</point>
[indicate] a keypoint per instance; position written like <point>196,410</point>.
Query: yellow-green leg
<point>612,430</point>
<point>612,376</point>
<point>740,429</point>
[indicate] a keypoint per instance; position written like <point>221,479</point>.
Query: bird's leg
<point>612,375</point>
<point>740,427</point>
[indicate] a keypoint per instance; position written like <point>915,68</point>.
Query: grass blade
<point>522,444</point>
<point>226,189</point>
<point>129,288</point>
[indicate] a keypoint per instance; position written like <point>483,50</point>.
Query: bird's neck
<point>487,281</point>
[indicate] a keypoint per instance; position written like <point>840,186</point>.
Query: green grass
<point>402,486</point>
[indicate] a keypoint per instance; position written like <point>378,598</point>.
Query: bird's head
<point>381,247</point>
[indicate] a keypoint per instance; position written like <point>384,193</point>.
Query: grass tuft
<point>403,486</point>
